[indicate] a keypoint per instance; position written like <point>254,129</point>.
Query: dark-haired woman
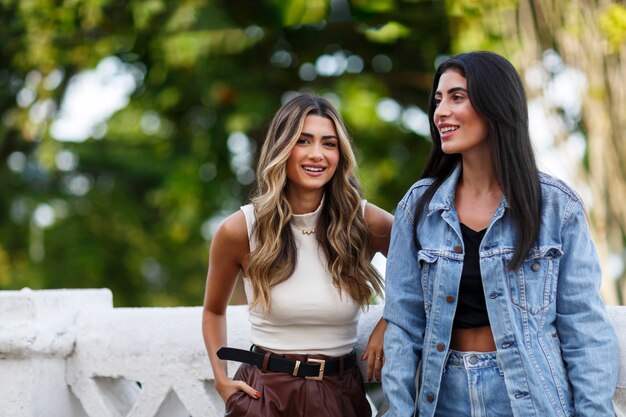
<point>492,280</point>
<point>303,248</point>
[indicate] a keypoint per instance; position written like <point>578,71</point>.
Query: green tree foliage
<point>132,206</point>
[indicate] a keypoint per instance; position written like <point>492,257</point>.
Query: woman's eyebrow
<point>310,135</point>
<point>452,90</point>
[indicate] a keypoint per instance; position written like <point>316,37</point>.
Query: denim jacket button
<point>440,347</point>
<point>536,267</point>
<point>458,249</point>
<point>430,398</point>
<point>449,298</point>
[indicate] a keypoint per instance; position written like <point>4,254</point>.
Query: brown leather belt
<point>311,368</point>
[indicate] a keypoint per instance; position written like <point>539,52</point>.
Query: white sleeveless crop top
<point>308,314</point>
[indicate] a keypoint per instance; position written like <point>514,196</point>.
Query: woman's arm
<point>379,223</point>
<point>405,315</point>
<point>588,343</point>
<point>374,353</point>
<point>229,248</point>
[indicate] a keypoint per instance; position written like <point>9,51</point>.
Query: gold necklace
<point>304,231</point>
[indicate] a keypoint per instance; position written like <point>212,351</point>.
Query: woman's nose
<point>315,153</point>
<point>442,110</point>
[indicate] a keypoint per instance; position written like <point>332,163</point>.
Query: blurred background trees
<point>129,129</point>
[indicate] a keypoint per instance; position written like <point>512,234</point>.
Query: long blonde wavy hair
<point>341,230</point>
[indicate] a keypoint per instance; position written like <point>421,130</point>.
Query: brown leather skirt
<point>285,395</point>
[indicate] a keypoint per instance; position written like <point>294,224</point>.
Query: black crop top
<point>471,309</point>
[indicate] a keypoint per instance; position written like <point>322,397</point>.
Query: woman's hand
<point>374,351</point>
<point>230,387</point>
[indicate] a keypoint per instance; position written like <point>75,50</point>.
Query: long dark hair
<point>496,93</point>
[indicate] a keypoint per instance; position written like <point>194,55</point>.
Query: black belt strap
<point>311,369</point>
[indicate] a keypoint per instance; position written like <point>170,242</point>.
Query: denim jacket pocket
<point>531,285</point>
<point>558,370</point>
<point>427,260</point>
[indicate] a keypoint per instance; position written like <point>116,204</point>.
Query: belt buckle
<point>322,363</point>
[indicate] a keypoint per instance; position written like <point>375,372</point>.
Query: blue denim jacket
<point>555,345</point>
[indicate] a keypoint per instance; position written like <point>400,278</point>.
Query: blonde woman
<point>303,247</point>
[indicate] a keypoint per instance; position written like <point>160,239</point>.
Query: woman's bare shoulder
<point>379,224</point>
<point>378,220</point>
<point>233,233</point>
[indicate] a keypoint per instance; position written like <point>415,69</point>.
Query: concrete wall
<point>69,353</point>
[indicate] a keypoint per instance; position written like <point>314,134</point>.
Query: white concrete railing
<point>69,353</point>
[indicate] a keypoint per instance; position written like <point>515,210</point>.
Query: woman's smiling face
<point>314,159</point>
<point>460,128</point>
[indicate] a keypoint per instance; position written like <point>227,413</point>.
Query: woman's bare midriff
<point>478,339</point>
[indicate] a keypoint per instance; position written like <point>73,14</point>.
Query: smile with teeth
<point>448,129</point>
<point>313,169</point>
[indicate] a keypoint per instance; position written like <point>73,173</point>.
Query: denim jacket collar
<point>443,199</point>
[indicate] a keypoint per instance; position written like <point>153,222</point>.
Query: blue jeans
<point>472,385</point>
